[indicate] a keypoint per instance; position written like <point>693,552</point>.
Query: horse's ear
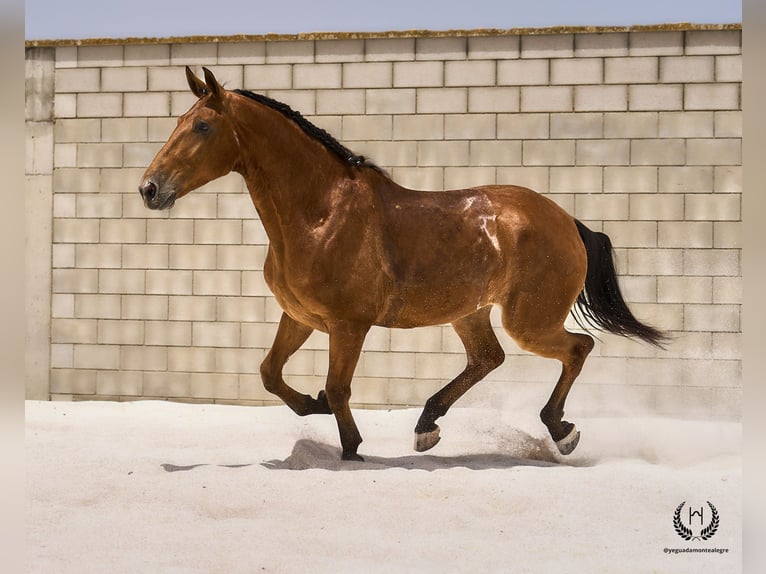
<point>198,87</point>
<point>212,84</point>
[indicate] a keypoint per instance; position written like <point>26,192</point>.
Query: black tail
<point>600,302</point>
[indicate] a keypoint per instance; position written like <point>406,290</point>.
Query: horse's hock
<point>636,132</point>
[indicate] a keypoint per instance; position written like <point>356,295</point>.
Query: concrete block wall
<point>635,132</point>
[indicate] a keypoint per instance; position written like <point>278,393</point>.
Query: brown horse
<point>349,249</point>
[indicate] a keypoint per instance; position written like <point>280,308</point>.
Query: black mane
<point>315,132</point>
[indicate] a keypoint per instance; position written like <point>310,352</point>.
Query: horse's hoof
<point>426,440</point>
<point>567,444</point>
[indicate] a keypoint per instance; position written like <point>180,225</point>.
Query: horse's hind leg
<point>571,349</point>
<point>290,336</point>
<point>484,354</point>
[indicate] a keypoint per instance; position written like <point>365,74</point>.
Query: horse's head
<point>202,148</point>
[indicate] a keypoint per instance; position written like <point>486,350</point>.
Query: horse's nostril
<point>148,190</point>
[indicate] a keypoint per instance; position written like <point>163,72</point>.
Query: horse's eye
<point>201,127</point>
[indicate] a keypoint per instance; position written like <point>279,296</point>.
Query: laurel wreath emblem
<point>686,533</point>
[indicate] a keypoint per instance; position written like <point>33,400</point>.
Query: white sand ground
<point>159,487</point>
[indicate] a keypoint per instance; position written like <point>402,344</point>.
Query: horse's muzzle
<point>153,199</point>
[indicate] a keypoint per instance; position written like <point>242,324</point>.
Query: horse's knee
<point>270,377</point>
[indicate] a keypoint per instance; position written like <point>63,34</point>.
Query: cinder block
<point>144,256</point>
<point>713,42</point>
<point>687,69</point>
<point>546,99</point>
<point>148,307</point>
<point>715,262</point>
<point>389,49</point>
<point>425,178</point>
<point>712,97</point>
<point>195,206</point>
<point>166,384</point>
<point>170,231</point>
<point>339,50</point>
<point>684,289</point>
<point>64,155</point>
<point>77,130</point>
<point>469,126</point>
<point>164,282</point>
<point>465,177</point>
<point>240,257</point>
<point>240,361</point>
<point>603,152</point>
<point>689,234</point>
<point>469,73</point>
<point>215,334</point>
<point>367,127</point>
<point>655,97</point>
<point>438,366</point>
<point>600,98</point>
<point>441,48</point>
<point>96,357</point>
<point>122,230</point>
<point>656,207</point>
<point>686,179</point>
<point>166,79</point>
<point>180,103</point>
<point>65,106</point>
<point>575,126</point>
<point>523,126</point>
<point>75,231</point>
<point>728,124</point>
<point>631,233</point>
<point>218,232</point>
<point>268,77</point>
<point>719,151</point>
<point>575,179</point>
<point>288,52</point>
<point>62,356</point>
<point>723,207</point>
<point>340,101</point>
<point>99,105</point>
<point>611,44</point>
<point>302,100</point>
<point>495,99</point>
<point>119,383</point>
<point>728,68</point>
<point>66,57</point>
<point>75,281</point>
<point>241,309</point>
<point>577,71</point>
<point>241,52</point>
<point>260,335</point>
<point>194,54</point>
<point>686,124</point>
<point>253,233</point>
<point>532,177</point>
<point>601,206</point>
<point>194,308</point>
<point>727,290</point>
<point>121,281</point>
<point>146,104</point>
<point>727,235</point>
<point>192,359</point>
<point>495,153</point>
<point>547,46</point>
<point>655,262</point>
<point>124,129</point>
<point>78,80</point>
<point>63,305</point>
<point>418,74</point>
<point>235,206</point>
<point>132,79</point>
<point>74,381</point>
<point>74,330</point>
<point>97,256</point>
<point>120,332</point>
<point>317,76</point>
<point>389,153</point>
<point>443,153</point>
<point>148,357</point>
<point>214,386</point>
<point>523,72</point>
<point>63,255</point>
<point>399,365</point>
<point>549,152</point>
<point>442,100</point>
<point>99,155</point>
<point>76,181</point>
<point>657,152</point>
<point>716,318</point>
<point>147,54</point>
<point>217,283</point>
<point>388,101</point>
<point>368,75</point>
<point>632,70</point>
<point>631,125</point>
<point>418,127</point>
<point>656,43</point>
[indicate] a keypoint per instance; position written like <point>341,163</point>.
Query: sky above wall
<point>78,19</point>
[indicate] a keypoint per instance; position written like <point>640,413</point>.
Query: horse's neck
<point>290,176</point>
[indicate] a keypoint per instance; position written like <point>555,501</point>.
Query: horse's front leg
<point>345,346</point>
<point>290,336</point>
